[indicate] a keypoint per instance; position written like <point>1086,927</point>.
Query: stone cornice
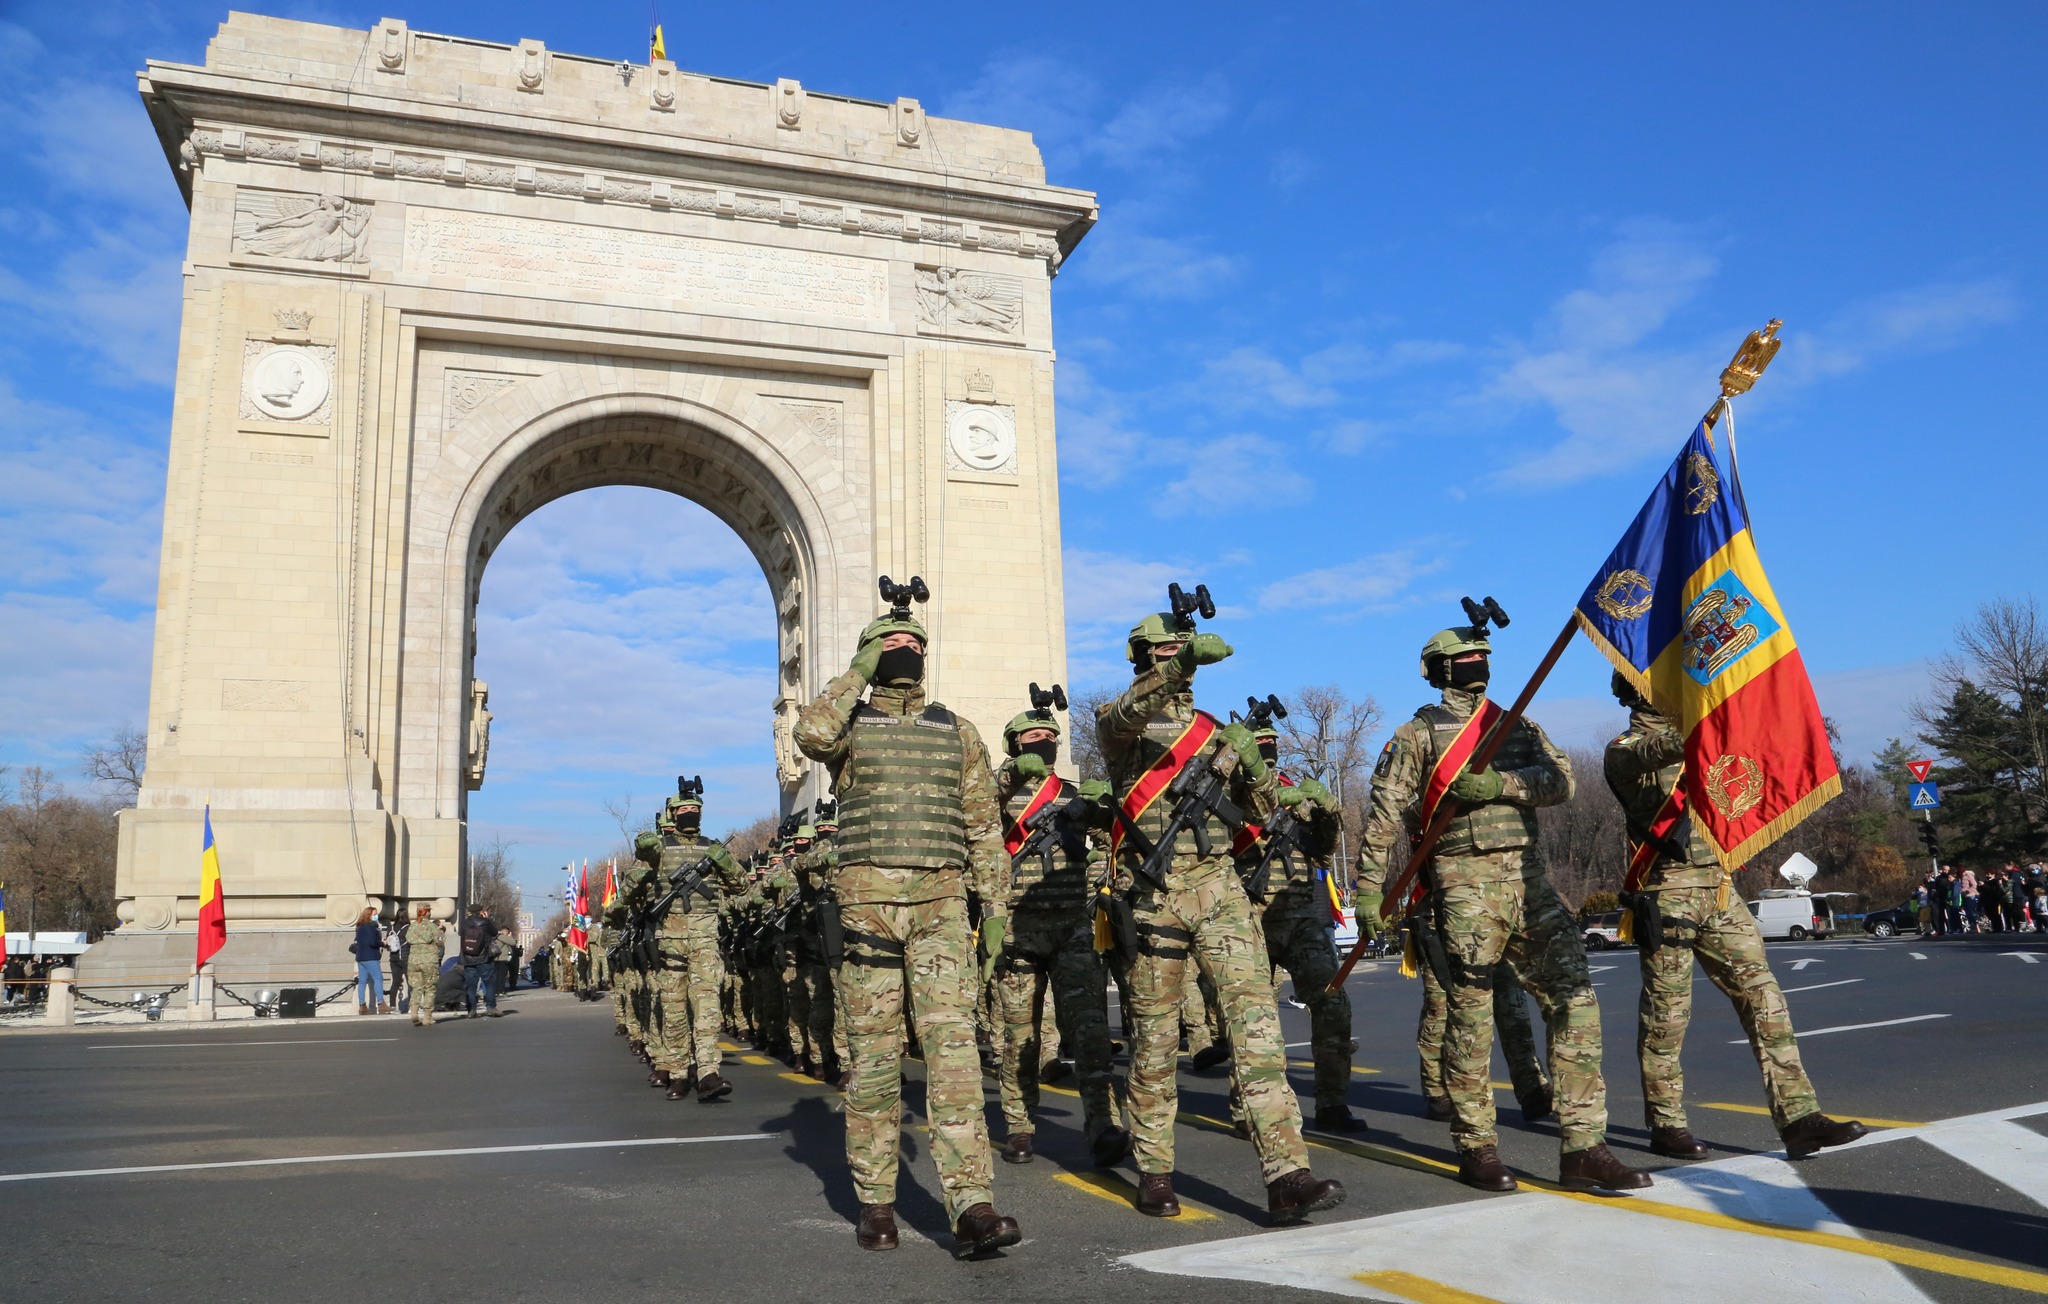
<point>352,132</point>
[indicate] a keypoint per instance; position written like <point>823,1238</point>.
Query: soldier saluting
<point>1682,899</point>
<point>1490,898</point>
<point>1187,906</point>
<point>918,828</point>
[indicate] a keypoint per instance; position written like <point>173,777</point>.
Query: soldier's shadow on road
<point>817,1139</point>
<point>1952,1225</point>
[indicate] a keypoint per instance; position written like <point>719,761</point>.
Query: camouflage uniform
<point>1051,948</point>
<point>1201,1019</point>
<point>1510,1020</point>
<point>1202,915</point>
<point>423,967</point>
<point>824,1033</point>
<point>684,1035</point>
<point>917,829</point>
<point>1492,901</point>
<point>1702,919</point>
<point>764,959</point>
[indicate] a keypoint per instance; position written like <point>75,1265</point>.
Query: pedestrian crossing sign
<point>1925,796</point>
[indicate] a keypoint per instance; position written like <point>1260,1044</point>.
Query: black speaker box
<point>295,1002</point>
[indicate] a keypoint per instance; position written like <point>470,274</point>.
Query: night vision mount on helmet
<point>1173,625</point>
<point>899,620</point>
<point>1044,701</point>
<point>1460,639</point>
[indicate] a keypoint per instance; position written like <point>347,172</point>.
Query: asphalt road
<point>748,1198</point>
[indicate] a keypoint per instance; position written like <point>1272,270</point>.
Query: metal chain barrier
<point>337,994</point>
<point>127,1004</point>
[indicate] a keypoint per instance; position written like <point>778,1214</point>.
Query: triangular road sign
<point>1919,770</point>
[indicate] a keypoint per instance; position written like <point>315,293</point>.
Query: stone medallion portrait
<point>287,382</point>
<point>981,437</point>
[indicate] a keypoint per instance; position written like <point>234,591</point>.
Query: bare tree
<point>118,761</point>
<point>747,839</point>
<point>490,881</point>
<point>1082,705</point>
<point>1584,841</point>
<point>57,851</point>
<point>1327,736</point>
<point>2002,651</point>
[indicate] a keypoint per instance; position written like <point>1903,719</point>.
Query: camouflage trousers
<point>1053,952</point>
<point>600,969</point>
<point>1731,951</point>
<point>925,951</point>
<point>812,992</point>
<point>770,1022</point>
<point>1201,1018</point>
<point>796,1003</point>
<point>1299,940</point>
<point>1208,924</point>
<point>1510,1021</point>
<point>1520,920</point>
<point>421,981</point>
<point>685,1032</point>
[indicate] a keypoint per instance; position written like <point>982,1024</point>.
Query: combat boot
<point>877,1227</point>
<point>1809,1134</point>
<point>1538,1105</point>
<point>1017,1150</point>
<point>1339,1118</point>
<point>1437,1109</point>
<point>1111,1146</point>
<point>1054,1070</point>
<point>679,1088</point>
<point>1596,1168</point>
<point>658,1078</point>
<point>804,1066</point>
<point>618,1030</point>
<point>712,1087</point>
<point>981,1230</point>
<point>1209,1057</point>
<point>1293,1196</point>
<point>427,1019</point>
<point>415,1018</point>
<point>1675,1143</point>
<point>636,1048</point>
<point>1481,1169</point>
<point>1155,1196</point>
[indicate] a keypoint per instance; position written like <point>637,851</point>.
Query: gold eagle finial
<point>1750,360</point>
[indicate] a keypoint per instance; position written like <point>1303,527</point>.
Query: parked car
<point>1602,931</point>
<point>1900,919</point>
<point>1793,916</point>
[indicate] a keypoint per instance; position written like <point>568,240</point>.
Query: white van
<point>1790,915</point>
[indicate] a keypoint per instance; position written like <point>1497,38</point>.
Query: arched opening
<point>626,635</point>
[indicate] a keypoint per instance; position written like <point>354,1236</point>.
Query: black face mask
<point>1269,752</point>
<point>687,827</point>
<point>1046,751</point>
<point>1470,674</point>
<point>900,667</point>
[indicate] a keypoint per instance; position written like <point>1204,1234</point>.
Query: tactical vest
<point>1031,887</point>
<point>899,790</point>
<point>676,853</point>
<point>1498,825</point>
<point>1161,732</point>
<point>1640,803</point>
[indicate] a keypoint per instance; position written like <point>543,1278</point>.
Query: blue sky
<point>1388,304</point>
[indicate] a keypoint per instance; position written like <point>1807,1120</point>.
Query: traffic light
<point>1930,839</point>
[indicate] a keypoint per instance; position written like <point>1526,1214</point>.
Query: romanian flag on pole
<point>213,906</point>
<point>1683,609</point>
<point>611,884</point>
<point>578,898</point>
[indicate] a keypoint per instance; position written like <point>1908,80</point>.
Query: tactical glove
<point>1369,923</point>
<point>1317,793</point>
<point>1202,650</point>
<point>1239,739</point>
<point>868,658</point>
<point>1292,797</point>
<point>1478,788</point>
<point>1095,790</point>
<point>1030,765</point>
<point>995,934</point>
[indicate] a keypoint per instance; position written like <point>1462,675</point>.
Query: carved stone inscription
<point>262,695</point>
<point>674,270</point>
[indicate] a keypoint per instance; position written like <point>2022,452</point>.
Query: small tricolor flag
<point>578,896</point>
<point>656,47</point>
<point>213,906</point>
<point>3,923</point>
<point>611,883</point>
<point>1684,611</point>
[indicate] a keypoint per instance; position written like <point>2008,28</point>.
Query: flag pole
<point>1448,809</point>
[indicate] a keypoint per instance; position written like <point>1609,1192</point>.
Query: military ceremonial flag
<point>578,897</point>
<point>213,906</point>
<point>611,883</point>
<point>1684,611</point>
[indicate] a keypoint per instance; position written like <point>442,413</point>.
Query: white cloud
<point>1934,316</point>
<point>1072,117</point>
<point>69,670</point>
<point>1374,583</point>
<point>1154,267</point>
<point>1232,471</point>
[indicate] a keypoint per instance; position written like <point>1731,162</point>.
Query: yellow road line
<point>1759,1109</point>
<point>1115,1186</point>
<point>758,1061</point>
<point>1309,1064</point>
<point>1421,1289</point>
<point>728,1048</point>
<point>804,1078</point>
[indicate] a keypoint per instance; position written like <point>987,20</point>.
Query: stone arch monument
<point>433,283</point>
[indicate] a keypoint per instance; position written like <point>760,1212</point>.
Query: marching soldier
<point>1517,1044</point>
<point>1490,899</point>
<point>1051,947</point>
<point>423,964</point>
<point>1687,892</point>
<point>825,1033</point>
<point>684,1041</point>
<point>798,944</point>
<point>1200,915</point>
<point>918,830</point>
<point>1296,922</point>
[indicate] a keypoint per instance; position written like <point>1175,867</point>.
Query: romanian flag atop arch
<point>1683,609</point>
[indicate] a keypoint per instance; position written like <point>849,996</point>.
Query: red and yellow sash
<point>1047,792</point>
<point>1248,836</point>
<point>1642,855</point>
<point>1160,774</point>
<point>1448,766</point>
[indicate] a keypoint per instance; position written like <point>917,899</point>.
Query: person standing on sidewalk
<point>422,964</point>
<point>369,952</point>
<point>479,939</point>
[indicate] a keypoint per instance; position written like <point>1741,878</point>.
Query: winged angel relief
<point>947,297</point>
<point>315,228</point>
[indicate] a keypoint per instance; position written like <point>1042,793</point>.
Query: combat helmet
<point>898,619</point>
<point>1040,716</point>
<point>1455,641</point>
<point>1157,628</point>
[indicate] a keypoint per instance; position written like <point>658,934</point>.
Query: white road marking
<point>1840,982</point>
<point>388,1154</point>
<point>1916,955</point>
<point>1797,965</point>
<point>2028,956</point>
<point>1600,968</point>
<point>295,1041</point>
<point>1853,1027</point>
<point>2002,1151</point>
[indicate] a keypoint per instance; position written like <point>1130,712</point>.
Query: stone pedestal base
<point>126,962</point>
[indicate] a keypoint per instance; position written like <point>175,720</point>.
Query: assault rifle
<point>1197,792</point>
<point>643,930</point>
<point>1286,834</point>
<point>1056,826</point>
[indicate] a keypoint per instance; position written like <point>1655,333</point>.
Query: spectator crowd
<point>1959,903</point>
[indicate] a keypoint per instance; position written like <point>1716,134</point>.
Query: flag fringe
<point>1787,820</point>
<point>1622,664</point>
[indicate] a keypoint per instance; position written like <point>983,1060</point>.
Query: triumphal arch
<point>433,283</point>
